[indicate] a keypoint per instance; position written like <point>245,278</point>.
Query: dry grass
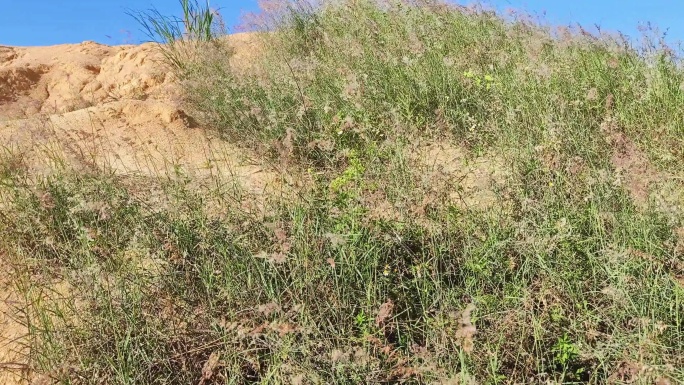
<point>478,201</point>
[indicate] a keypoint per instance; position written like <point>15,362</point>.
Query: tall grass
<point>382,270</point>
<point>180,38</point>
<point>365,70</point>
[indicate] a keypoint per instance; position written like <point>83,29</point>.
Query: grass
<point>381,271</point>
<point>180,38</point>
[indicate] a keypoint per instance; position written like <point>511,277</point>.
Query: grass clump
<point>389,266</point>
<point>181,38</point>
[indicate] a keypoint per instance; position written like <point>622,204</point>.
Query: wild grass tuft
<point>180,38</point>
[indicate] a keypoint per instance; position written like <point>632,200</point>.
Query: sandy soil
<point>104,107</point>
<point>13,367</point>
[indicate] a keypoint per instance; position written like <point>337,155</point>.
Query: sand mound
<point>64,78</point>
<point>110,107</point>
<point>105,108</point>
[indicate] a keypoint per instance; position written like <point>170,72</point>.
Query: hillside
<point>366,193</point>
<point>96,108</point>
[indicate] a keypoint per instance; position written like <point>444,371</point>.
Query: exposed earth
<point>101,107</point>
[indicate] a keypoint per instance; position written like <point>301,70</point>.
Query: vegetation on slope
<point>382,269</point>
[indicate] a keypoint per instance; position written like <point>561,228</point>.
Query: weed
<point>180,38</point>
<point>379,271</point>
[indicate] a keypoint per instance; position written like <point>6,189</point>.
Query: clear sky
<point>611,15</point>
<point>46,22</point>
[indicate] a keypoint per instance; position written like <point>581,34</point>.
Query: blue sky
<point>612,15</point>
<point>46,22</point>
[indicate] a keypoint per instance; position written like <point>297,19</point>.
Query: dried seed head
<point>210,367</point>
<point>269,308</point>
<point>384,313</point>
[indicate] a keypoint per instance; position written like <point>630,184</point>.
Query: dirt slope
<point>97,107</point>
<point>101,106</point>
